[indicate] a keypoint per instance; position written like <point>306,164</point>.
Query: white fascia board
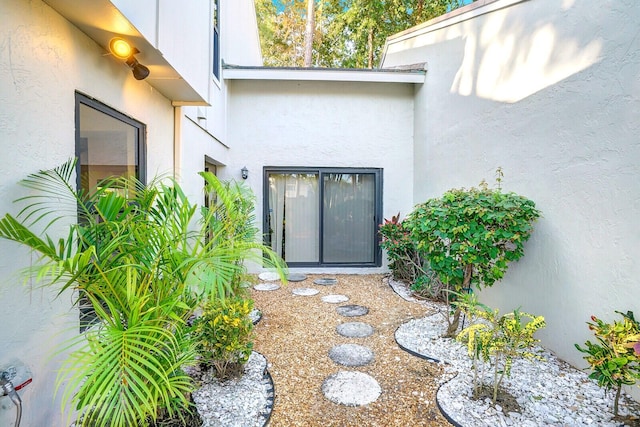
<point>336,75</point>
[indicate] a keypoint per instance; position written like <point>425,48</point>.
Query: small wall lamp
<point>122,49</point>
<point>245,172</point>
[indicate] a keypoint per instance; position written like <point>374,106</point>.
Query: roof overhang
<point>404,75</point>
<point>101,20</point>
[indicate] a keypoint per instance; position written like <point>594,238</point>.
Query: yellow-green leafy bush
<point>497,340</point>
<point>223,335</point>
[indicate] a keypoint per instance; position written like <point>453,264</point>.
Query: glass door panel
<point>293,217</point>
<point>349,227</point>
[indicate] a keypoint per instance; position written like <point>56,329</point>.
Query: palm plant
<point>143,259</point>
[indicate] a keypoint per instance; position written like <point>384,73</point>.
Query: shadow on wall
<point>512,54</point>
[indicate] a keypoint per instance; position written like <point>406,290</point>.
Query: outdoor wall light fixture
<point>122,49</point>
<point>245,172</point>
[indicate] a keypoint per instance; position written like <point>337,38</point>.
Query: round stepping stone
<point>355,330</point>
<point>352,310</point>
<point>268,276</point>
<point>266,287</point>
<point>351,355</point>
<point>306,292</point>
<point>351,388</point>
<point>296,277</point>
<point>325,281</point>
<point>335,299</point>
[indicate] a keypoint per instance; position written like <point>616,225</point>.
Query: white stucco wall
<point>43,61</point>
<point>241,44</point>
<point>549,91</point>
<point>324,124</point>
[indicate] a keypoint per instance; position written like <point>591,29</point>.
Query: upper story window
<point>216,39</point>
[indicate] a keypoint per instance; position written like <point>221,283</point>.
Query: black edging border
<point>433,360</point>
<point>428,359</point>
<point>271,393</point>
<point>258,319</point>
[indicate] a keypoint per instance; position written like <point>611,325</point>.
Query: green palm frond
<point>144,259</point>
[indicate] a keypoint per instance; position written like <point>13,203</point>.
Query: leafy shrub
<point>498,340</point>
<point>223,335</point>
<point>405,262</point>
<point>470,236</point>
<point>615,357</point>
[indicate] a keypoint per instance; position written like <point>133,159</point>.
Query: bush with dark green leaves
<point>469,236</point>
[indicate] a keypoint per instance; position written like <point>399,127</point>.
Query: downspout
<point>177,142</point>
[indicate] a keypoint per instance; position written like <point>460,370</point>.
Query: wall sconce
<point>121,49</point>
<point>245,172</point>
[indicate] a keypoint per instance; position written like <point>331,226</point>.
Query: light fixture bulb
<point>120,48</point>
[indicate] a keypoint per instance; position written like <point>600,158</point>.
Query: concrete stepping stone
<point>268,276</point>
<point>351,388</point>
<point>335,299</point>
<point>351,355</point>
<point>266,287</point>
<point>355,330</point>
<point>326,281</point>
<point>296,277</point>
<point>352,310</point>
<point>306,292</point>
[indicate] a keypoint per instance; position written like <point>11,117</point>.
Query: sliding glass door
<point>323,216</point>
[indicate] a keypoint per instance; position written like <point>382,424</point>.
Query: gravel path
<point>297,332</point>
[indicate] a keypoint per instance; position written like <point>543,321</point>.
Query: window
<point>108,144</point>
<point>323,216</point>
<point>216,39</point>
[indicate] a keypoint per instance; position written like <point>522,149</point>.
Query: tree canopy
<point>348,33</point>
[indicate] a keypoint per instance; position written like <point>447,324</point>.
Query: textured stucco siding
<point>43,61</point>
<point>324,124</point>
<point>549,91</point>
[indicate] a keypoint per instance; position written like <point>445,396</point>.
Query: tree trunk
<point>370,48</point>
<point>308,36</point>
<point>466,284</point>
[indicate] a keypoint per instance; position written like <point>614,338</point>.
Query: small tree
<point>498,340</point>
<point>470,236</point>
<point>615,358</point>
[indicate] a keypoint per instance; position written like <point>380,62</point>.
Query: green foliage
<point>470,236</point>
<point>223,335</point>
<point>498,340</point>
<point>405,261</point>
<point>143,260</point>
<point>615,357</point>
<point>348,33</point>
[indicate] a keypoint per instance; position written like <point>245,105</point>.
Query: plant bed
<point>246,401</point>
<point>549,392</point>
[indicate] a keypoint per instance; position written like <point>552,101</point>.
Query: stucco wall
<point>43,60</point>
<point>333,124</point>
<point>549,91</point>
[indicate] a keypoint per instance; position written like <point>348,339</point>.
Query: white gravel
<point>550,393</point>
<point>242,402</point>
